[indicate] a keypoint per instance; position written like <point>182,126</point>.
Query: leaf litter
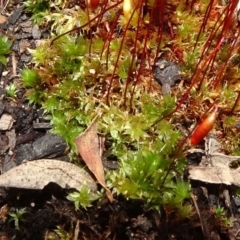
<point>39,173</point>
<point>216,167</point>
<point>88,147</point>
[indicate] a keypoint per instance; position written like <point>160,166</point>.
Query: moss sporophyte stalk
<point>99,61</point>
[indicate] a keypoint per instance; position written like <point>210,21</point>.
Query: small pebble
<point>166,73</point>
<point>6,122</point>
<point>236,200</point>
<point>27,30</point>
<point>26,24</point>
<point>23,45</point>
<point>15,15</point>
<point>36,33</point>
<point>25,58</point>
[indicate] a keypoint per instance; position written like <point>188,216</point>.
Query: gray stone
<point>166,73</point>
<point>24,152</point>
<point>25,58</point>
<point>15,15</point>
<point>36,32</point>
<point>8,163</point>
<point>49,146</point>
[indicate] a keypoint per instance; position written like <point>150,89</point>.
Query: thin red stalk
<point>172,163</point>
<point>86,24</point>
<point>195,78</point>
<point>230,53</point>
<point>203,25</point>
<point>161,6</point>
<point>225,23</point>
<point>208,43</point>
<point>191,6</point>
<point>151,21</point>
<point>176,49</point>
<point>108,47</point>
<point>210,39</point>
<point>109,38</point>
<point>201,78</point>
<point>180,146</point>
<point>181,101</point>
<point>90,30</point>
<point>231,9</point>
<point>160,28</point>
<point>103,10</point>
<point>118,56</point>
<point>223,68</point>
<point>210,60</point>
<point>140,69</point>
<point>185,96</point>
<point>194,81</point>
<point>211,64</point>
<point>140,66</point>
<point>133,55</point>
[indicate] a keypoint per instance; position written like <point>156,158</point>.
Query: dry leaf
<point>6,122</point>
<point>217,170</point>
<point>2,19</point>
<point>88,147</point>
<point>39,173</point>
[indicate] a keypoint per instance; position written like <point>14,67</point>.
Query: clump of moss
<point>5,48</point>
<point>77,77</point>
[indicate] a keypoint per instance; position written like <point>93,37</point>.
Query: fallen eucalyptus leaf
<point>88,147</point>
<point>39,173</point>
<point>218,170</point>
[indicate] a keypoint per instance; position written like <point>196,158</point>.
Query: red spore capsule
<point>93,4</point>
<point>204,127</point>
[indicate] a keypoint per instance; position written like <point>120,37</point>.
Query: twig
<point>200,216</point>
<point>76,230</point>
<point>5,6</point>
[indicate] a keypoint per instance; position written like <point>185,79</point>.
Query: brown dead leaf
<point>2,19</point>
<point>88,147</point>
<point>39,173</point>
<point>217,171</point>
<point>4,212</point>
